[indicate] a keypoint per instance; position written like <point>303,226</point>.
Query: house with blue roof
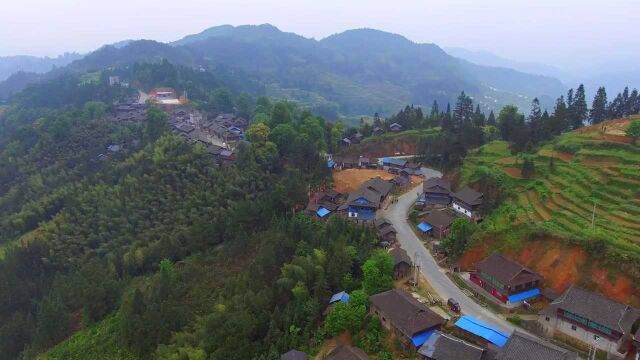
<point>362,204</point>
<point>323,204</point>
<point>407,318</point>
<point>394,162</point>
<point>342,296</point>
<point>506,280</point>
<point>481,331</point>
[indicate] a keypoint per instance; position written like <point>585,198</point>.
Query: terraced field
<point>590,192</point>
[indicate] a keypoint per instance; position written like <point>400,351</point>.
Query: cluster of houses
<point>422,331</point>
<point>129,112</point>
<point>377,131</point>
<point>578,313</point>
<point>227,127</point>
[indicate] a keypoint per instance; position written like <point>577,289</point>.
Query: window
<point>547,318</point>
<point>573,327</point>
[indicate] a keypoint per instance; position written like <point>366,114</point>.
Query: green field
<point>574,173</point>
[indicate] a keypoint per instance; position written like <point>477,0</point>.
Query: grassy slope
<point>561,200</point>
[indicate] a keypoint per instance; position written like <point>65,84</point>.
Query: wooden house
<point>467,202</point>
<point>506,280</point>
<point>442,346</point>
<point>590,318</point>
<point>438,223</point>
<point>411,321</point>
<point>401,263</point>
<point>395,127</point>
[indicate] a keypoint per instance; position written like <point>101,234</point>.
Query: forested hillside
<point>352,73</point>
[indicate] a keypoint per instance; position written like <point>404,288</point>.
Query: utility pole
<point>416,268</point>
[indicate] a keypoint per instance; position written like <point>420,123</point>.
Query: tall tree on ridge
<point>599,106</point>
<point>492,119</point>
<point>580,109</point>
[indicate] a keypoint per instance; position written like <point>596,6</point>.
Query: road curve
<point>435,275</point>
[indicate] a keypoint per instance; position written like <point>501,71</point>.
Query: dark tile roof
<point>525,347</point>
<point>371,196</point>
<point>407,314</point>
<point>442,346</point>
<point>595,307</point>
<point>399,255</point>
<point>382,222</point>
<point>468,196</point>
<point>386,231</point>
<point>294,355</point>
<point>437,185</point>
<point>402,180</point>
<point>343,352</point>
<point>382,187</point>
<point>440,219</point>
<point>506,270</point>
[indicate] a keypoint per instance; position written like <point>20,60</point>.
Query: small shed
<point>478,329</point>
<point>342,296</point>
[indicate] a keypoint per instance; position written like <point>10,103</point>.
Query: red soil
<point>561,266</point>
<point>513,172</point>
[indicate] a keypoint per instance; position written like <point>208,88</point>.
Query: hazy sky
<point>556,32</point>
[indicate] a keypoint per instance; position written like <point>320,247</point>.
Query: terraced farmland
<point>592,192</point>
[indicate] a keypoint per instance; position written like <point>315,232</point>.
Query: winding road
<point>435,275</point>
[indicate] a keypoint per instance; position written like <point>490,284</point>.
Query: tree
<point>598,111</point>
<point>633,131</point>
<point>463,111</point>
<point>528,168</point>
<point>578,108</point>
<point>258,134</point>
<point>459,237</point>
<point>492,119</point>
<point>509,119</point>
<point>155,124</point>
<point>348,316</point>
<point>378,273</point>
<point>222,100</point>
<point>280,114</point>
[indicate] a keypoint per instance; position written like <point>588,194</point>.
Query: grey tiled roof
<point>524,347</point>
<point>442,346</point>
<point>468,196</point>
<point>595,307</point>
<point>407,314</point>
<point>506,270</point>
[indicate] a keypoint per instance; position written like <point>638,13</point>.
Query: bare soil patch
<point>513,172</point>
<point>511,160</point>
<point>350,179</point>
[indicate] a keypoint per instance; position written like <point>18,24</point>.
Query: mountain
<point>13,64</point>
<point>356,72</point>
<point>483,57</point>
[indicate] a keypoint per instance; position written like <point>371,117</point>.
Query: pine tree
<point>492,119</point>
<point>463,111</point>
<point>626,109</point>
<point>580,110</point>
<point>599,106</point>
<point>535,121</point>
<point>559,119</point>
<point>616,107</point>
<point>634,102</point>
<point>478,117</point>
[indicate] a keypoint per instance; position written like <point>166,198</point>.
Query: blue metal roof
<point>424,227</point>
<point>394,161</point>
<point>482,330</point>
<point>524,295</point>
<point>420,338</point>
<point>341,296</point>
<point>331,164</point>
<point>361,201</point>
<point>322,212</point>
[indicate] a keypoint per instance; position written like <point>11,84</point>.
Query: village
<point>219,133</point>
<point>518,317</point>
<point>502,309</point>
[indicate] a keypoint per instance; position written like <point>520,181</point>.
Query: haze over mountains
<point>352,73</point>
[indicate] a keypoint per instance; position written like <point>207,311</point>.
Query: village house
<point>346,162</point>
<point>395,127</point>
<point>590,318</point>
<point>401,263</point>
<point>386,232</point>
<point>344,352</point>
<point>377,131</point>
<point>294,355</point>
<point>437,223</point>
<point>441,346</point>
<point>322,204</point>
<point>408,319</point>
<point>436,193</point>
<point>346,141</point>
<point>403,180</point>
<point>391,162</point>
<point>362,204</point>
<point>467,202</point>
<point>481,332</point>
<point>506,280</point>
<point>524,347</point>
<point>357,138</point>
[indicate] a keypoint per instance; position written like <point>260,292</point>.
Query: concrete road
<point>397,214</point>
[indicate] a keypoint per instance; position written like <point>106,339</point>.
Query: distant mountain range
<point>12,64</point>
<point>356,72</point>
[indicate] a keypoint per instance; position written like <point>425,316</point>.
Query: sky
<point>555,32</point>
